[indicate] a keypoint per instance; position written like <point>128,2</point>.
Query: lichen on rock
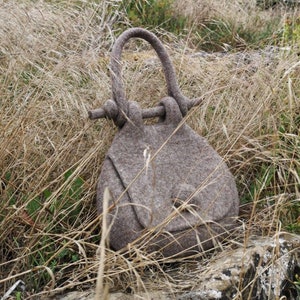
<point>264,268</point>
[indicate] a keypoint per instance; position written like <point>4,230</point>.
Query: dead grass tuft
<point>53,66</point>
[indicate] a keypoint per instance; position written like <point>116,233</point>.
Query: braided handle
<point>120,114</point>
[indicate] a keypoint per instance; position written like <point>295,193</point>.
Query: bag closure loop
<point>117,109</point>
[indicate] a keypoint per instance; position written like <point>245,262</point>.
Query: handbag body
<point>171,192</point>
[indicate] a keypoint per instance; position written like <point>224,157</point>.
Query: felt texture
<point>171,192</point>
<point>176,184</point>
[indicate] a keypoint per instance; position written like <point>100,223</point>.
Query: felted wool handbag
<point>171,193</point>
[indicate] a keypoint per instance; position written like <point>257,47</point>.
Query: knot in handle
<point>121,115</point>
<point>117,85</point>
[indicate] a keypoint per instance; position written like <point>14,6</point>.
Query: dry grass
<point>53,69</point>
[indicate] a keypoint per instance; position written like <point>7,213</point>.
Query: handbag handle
<point>117,109</point>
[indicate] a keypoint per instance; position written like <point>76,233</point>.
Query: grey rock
<point>263,268</point>
<point>90,295</point>
<point>265,4</point>
<point>269,56</point>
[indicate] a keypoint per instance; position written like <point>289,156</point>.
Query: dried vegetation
<point>53,69</point>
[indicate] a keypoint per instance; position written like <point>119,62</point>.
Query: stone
<point>262,268</point>
<point>265,4</point>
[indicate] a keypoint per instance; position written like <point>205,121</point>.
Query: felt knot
<point>172,111</point>
<point>117,110</point>
<point>111,110</point>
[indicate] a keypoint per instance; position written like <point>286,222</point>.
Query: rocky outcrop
<point>265,268</point>
<point>262,268</point>
<point>265,4</point>
<point>269,56</point>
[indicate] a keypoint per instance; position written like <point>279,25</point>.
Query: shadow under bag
<point>171,192</point>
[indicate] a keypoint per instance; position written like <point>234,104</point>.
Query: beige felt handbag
<point>172,194</point>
